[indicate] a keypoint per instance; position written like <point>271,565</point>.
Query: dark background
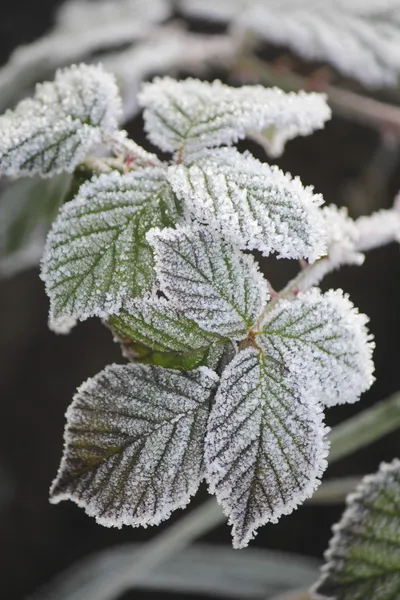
<point>40,370</point>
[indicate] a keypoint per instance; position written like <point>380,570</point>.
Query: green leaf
<point>363,559</point>
<point>96,253</point>
<point>27,209</point>
<point>158,324</point>
<point>154,332</point>
<point>265,448</point>
<point>54,131</point>
<point>134,443</point>
<point>214,356</point>
<point>209,280</point>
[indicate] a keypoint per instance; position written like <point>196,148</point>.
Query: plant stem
<point>306,278</point>
<point>365,428</point>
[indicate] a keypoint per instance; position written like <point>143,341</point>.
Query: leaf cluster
<point>226,380</point>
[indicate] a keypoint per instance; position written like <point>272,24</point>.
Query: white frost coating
<point>96,253</point>
<point>62,325</point>
<point>134,443</point>
<point>193,114</point>
<point>209,279</point>
<point>343,239</point>
<point>323,341</point>
<point>360,38</point>
<point>257,205</point>
<point>265,447</point>
<point>124,146</point>
<point>362,560</point>
<point>378,229</point>
<point>55,130</point>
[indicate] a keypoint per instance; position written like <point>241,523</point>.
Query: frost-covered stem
<point>343,102</point>
<point>379,229</point>
<point>308,277</point>
<point>102,165</point>
<point>365,428</point>
<point>132,153</point>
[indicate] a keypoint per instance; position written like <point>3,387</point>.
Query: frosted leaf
<point>157,324</point>
<point>361,39</point>
<point>55,130</point>
<point>363,559</point>
<point>195,114</point>
<point>27,209</point>
<point>96,253</point>
<point>257,204</point>
<point>209,279</point>
<point>265,448</point>
<point>323,341</point>
<point>134,443</point>
<point>152,331</point>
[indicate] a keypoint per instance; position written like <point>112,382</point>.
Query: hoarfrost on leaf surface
<point>256,204</point>
<point>363,559</point>
<point>134,443</point>
<point>96,253</point>
<point>194,114</point>
<point>360,38</point>
<point>54,131</point>
<point>209,280</point>
<point>323,341</point>
<point>265,448</point>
